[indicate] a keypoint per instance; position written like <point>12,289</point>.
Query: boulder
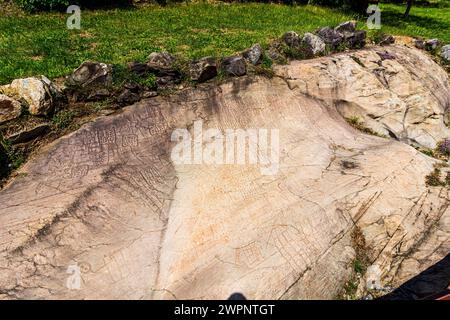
<point>203,69</point>
<point>291,38</point>
<point>138,68</point>
<point>331,37</point>
<point>91,74</point>
<point>29,133</point>
<point>253,54</point>
<point>9,108</point>
<point>346,27</point>
<point>38,93</point>
<point>234,66</point>
<point>4,160</point>
<point>314,43</point>
<point>128,97</point>
<point>445,52</point>
<point>112,203</point>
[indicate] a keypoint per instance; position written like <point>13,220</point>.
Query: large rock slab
<point>397,91</point>
<point>108,204</point>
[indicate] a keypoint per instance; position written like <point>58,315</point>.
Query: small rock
<point>314,43</point>
<point>106,112</point>
<point>330,37</point>
<point>128,97</point>
<point>9,108</point>
<point>149,94</point>
<point>348,26</point>
<point>234,66</point>
<point>432,44</point>
<point>445,52</point>
<point>29,134</point>
<point>254,54</point>
<point>419,43</point>
<point>92,74</point>
<point>291,38</point>
<point>356,40</point>
<point>203,69</point>
<point>134,87</point>
<point>38,93</point>
<point>161,59</point>
<point>386,40</point>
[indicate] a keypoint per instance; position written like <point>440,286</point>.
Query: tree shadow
<point>396,19</point>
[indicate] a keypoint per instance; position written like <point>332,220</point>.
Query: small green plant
<point>356,123</point>
<point>63,119</point>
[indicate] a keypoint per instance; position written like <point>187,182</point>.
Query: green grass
<point>426,21</point>
<point>41,43</point>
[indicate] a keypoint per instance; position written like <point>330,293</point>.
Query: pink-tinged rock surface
<point>109,200</point>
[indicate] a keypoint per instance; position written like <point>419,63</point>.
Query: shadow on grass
<point>397,20</point>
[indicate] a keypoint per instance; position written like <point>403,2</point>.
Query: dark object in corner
<point>237,296</point>
<point>427,285</point>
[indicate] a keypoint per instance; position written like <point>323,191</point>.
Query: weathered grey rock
<point>97,94</point>
<point>356,40</point>
<point>161,59</point>
<point>419,43</point>
<point>128,97</point>
<point>330,37</point>
<point>92,74</point>
<point>37,92</point>
<point>109,201</point>
<point>275,52</point>
<point>346,27</point>
<point>234,66</point>
<point>253,54</point>
<point>432,44</point>
<point>9,108</point>
<point>3,163</point>
<point>291,38</point>
<point>314,43</point>
<point>203,69</point>
<point>445,52</point>
<point>29,133</point>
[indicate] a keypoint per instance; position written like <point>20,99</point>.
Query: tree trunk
<point>408,8</point>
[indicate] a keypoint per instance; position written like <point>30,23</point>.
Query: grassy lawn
<point>41,43</point>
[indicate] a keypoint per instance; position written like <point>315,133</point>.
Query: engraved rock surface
<point>107,204</point>
<point>396,91</point>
